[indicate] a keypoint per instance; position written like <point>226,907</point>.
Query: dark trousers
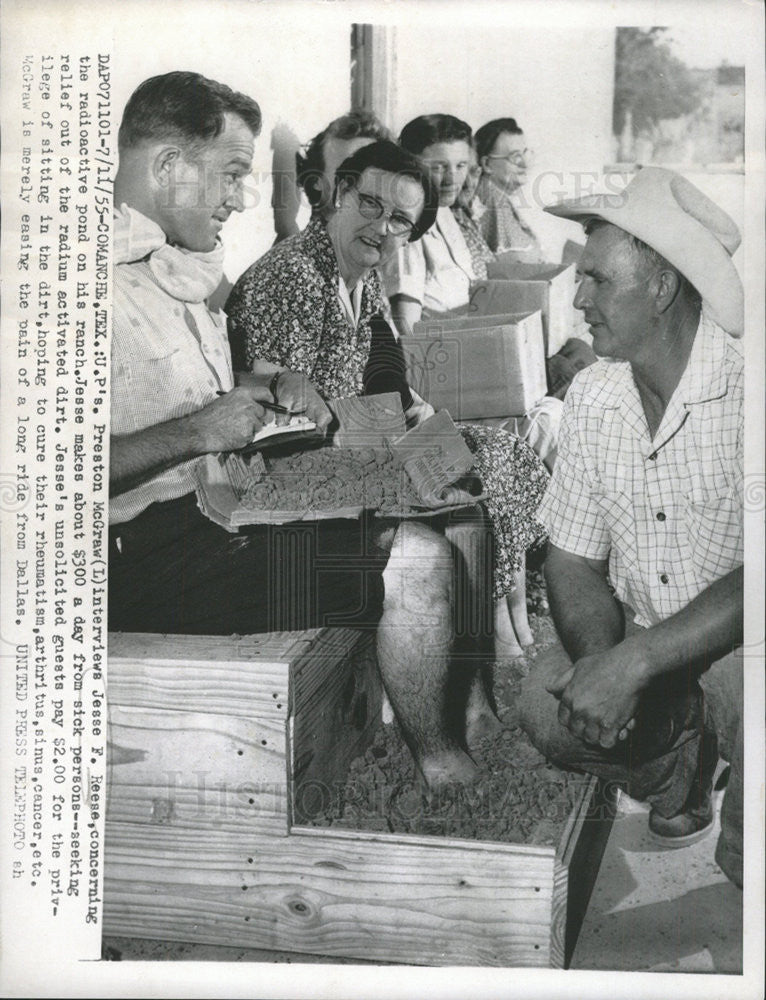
<point>173,570</point>
<point>658,762</point>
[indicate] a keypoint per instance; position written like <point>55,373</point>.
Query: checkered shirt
<point>169,358</point>
<point>668,511</point>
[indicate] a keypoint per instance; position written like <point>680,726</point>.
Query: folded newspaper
<point>369,465</point>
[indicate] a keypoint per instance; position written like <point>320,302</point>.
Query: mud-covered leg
<point>414,651</point>
<point>470,534</point>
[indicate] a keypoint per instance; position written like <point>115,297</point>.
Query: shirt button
<point>664,578</point>
<point>660,515</point>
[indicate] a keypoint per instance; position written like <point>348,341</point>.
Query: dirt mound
<point>518,797</point>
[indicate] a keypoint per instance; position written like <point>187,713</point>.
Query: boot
<point>695,820</point>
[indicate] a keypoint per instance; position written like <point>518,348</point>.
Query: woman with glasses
<point>315,300</point>
<point>314,304</point>
<point>504,159</point>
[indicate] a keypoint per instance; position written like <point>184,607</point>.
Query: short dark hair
<point>184,106</point>
<point>357,124</point>
<point>388,156</point>
<point>488,134</point>
<point>424,131</point>
<point>650,257</point>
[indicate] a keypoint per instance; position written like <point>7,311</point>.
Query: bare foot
<point>480,718</point>
<point>386,711</point>
<point>448,767</point>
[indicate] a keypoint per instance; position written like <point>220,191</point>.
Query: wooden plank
<point>375,897</point>
<point>258,810</point>
<point>337,698</point>
<point>278,646</point>
<point>197,769</point>
<point>577,863</point>
<point>242,676</point>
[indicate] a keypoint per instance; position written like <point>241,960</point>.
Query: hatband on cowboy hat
<point>668,213</point>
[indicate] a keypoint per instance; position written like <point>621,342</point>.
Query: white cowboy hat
<point>671,215</point>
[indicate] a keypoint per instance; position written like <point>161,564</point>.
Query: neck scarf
<point>186,275</point>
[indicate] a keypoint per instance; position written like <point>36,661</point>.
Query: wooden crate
<point>219,746</point>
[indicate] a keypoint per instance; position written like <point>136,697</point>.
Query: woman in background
<point>433,276</point>
<point>505,159</point>
<point>467,211</point>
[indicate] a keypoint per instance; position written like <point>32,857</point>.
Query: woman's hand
<point>297,393</point>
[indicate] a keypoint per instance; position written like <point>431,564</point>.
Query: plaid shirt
<point>668,511</point>
<point>169,358</point>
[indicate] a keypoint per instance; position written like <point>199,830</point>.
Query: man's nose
<point>380,225</point>
<point>581,297</point>
<point>235,197</point>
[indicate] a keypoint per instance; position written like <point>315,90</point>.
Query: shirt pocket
<point>715,530</point>
<point>156,389</point>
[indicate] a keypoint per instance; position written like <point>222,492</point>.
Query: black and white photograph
<point>382,495</point>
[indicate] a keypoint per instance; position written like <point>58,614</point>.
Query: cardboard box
<point>474,366</point>
<point>513,287</point>
<point>218,748</point>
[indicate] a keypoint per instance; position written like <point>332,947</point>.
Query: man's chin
<point>205,246</point>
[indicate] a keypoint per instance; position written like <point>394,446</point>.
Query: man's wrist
<point>191,431</point>
<point>641,666</point>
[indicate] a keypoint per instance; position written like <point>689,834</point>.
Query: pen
<point>277,408</point>
<point>274,407</point>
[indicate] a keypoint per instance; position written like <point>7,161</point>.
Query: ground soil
<point>518,798</point>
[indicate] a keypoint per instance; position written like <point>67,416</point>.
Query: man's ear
<point>668,287</point>
<point>164,164</point>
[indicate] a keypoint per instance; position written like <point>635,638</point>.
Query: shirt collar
<point>703,378</point>
<point>352,303</point>
<point>705,374</point>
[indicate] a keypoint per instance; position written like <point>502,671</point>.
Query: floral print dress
<point>285,309</point>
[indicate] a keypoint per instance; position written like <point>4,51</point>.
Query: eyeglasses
<point>517,157</point>
<point>371,208</point>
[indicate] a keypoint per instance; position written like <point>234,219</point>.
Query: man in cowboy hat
<point>644,512</point>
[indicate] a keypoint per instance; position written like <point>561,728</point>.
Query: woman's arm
<point>276,307</point>
<point>405,312</point>
<point>404,282</point>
